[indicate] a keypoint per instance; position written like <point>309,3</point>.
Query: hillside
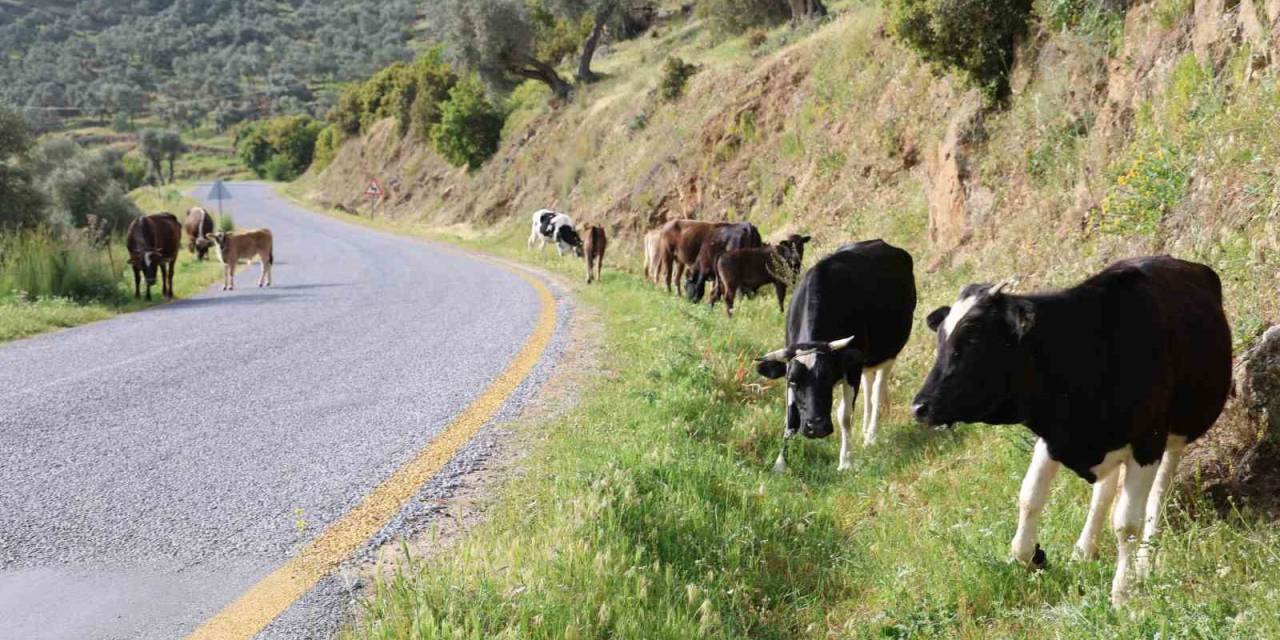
<point>184,60</point>
<point>1153,133</point>
<point>1151,130</point>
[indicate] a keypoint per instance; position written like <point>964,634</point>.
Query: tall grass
<point>43,263</point>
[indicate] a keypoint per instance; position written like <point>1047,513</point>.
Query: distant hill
<point>188,60</point>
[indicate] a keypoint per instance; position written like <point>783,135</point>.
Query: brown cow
<point>750,269</point>
<point>245,245</point>
<point>153,241</point>
<point>198,225</point>
<point>594,244</point>
<point>680,243</point>
<point>727,236</point>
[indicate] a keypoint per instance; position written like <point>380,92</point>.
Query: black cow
<point>1123,369</point>
<point>725,237</point>
<point>848,320</point>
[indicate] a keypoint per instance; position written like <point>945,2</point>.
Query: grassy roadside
<point>21,318</point>
<point>649,511</point>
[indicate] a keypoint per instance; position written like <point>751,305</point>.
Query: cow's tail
<point>271,256</point>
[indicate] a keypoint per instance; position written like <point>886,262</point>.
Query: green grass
<point>650,511</point>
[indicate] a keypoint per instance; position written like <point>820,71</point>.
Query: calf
<point>652,255</point>
<point>198,225</point>
<point>153,241</point>
<point>1122,370</point>
<point>594,246</point>
<point>750,269</point>
<point>245,245</point>
<point>849,319</point>
<point>725,237</point>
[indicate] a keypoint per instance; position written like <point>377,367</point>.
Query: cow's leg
<point>879,393</point>
<point>1126,521</point>
<point>166,272</point>
<point>533,235</point>
<point>231,277</point>
<point>730,296</point>
<point>1104,495</point>
<point>868,381</point>
<point>1155,502</point>
<point>781,290</point>
<point>1031,501</point>
<point>780,465</point>
<point>844,415</point>
<point>137,283</point>
<point>679,277</point>
<point>268,265</point>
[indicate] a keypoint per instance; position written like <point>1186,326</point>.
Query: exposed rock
<point>1258,379</point>
<point>948,187</point>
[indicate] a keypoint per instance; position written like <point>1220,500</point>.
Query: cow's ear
<point>804,239</point>
<point>1022,316</point>
<point>771,369</point>
<point>935,319</point>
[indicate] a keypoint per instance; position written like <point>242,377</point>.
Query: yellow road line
<point>276,592</point>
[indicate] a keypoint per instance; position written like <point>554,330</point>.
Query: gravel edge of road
<point>491,457</point>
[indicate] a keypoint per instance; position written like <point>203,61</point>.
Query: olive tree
<point>496,39</point>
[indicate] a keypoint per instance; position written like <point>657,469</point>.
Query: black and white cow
<point>849,318</point>
<point>1123,369</point>
<point>558,228</point>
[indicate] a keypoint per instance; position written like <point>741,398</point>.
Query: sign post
<point>219,192</point>
<point>374,193</point>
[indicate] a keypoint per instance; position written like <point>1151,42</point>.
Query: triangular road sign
<point>374,189</point>
<point>219,191</point>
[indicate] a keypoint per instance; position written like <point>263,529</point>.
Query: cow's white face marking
<point>807,359</point>
<point>959,310</point>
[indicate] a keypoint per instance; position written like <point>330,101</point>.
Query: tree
<point>603,13</point>
<point>802,9</point>
<point>172,146</point>
<point>20,203</point>
<point>151,146</point>
<point>495,38</point>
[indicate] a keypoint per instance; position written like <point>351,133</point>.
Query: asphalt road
<point>155,465</point>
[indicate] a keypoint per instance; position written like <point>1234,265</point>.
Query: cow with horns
<point>849,318</point>
<point>1122,370</point>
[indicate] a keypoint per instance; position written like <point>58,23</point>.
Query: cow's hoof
<point>779,467</point>
<point>1038,559</point>
<point>1081,554</point>
<point>844,466</point>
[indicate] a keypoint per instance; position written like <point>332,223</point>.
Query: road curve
<point>155,466</point>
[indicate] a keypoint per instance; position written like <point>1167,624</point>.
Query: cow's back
<point>199,222</point>
<point>1193,337</point>
<point>867,290</point>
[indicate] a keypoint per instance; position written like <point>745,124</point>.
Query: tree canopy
<point>186,60</point>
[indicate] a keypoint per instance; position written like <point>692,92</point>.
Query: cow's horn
<point>837,345</point>
<point>1000,286</point>
<point>777,356</point>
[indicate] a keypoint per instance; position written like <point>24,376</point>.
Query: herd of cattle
<point>153,242</point>
<point>1120,371</point>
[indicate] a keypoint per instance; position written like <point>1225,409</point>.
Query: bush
<point>470,126</point>
<point>135,172</point>
<point>280,148</point>
<point>345,115</point>
<point>327,144</point>
<point>41,263</point>
<point>975,38</point>
<point>434,79</point>
<point>675,74</point>
<point>226,224</point>
<point>80,184</point>
<point>757,37</point>
<point>732,17</point>
<point>388,93</point>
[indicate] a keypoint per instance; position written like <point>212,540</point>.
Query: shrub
<point>732,17</point>
<point>469,128</point>
<point>756,38</point>
<point>42,263</point>
<point>327,144</point>
<point>388,93</point>
<point>346,114</point>
<point>975,38</point>
<point>226,224</point>
<point>675,74</point>
<point>135,172</point>
<point>434,79</point>
<point>280,148</point>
